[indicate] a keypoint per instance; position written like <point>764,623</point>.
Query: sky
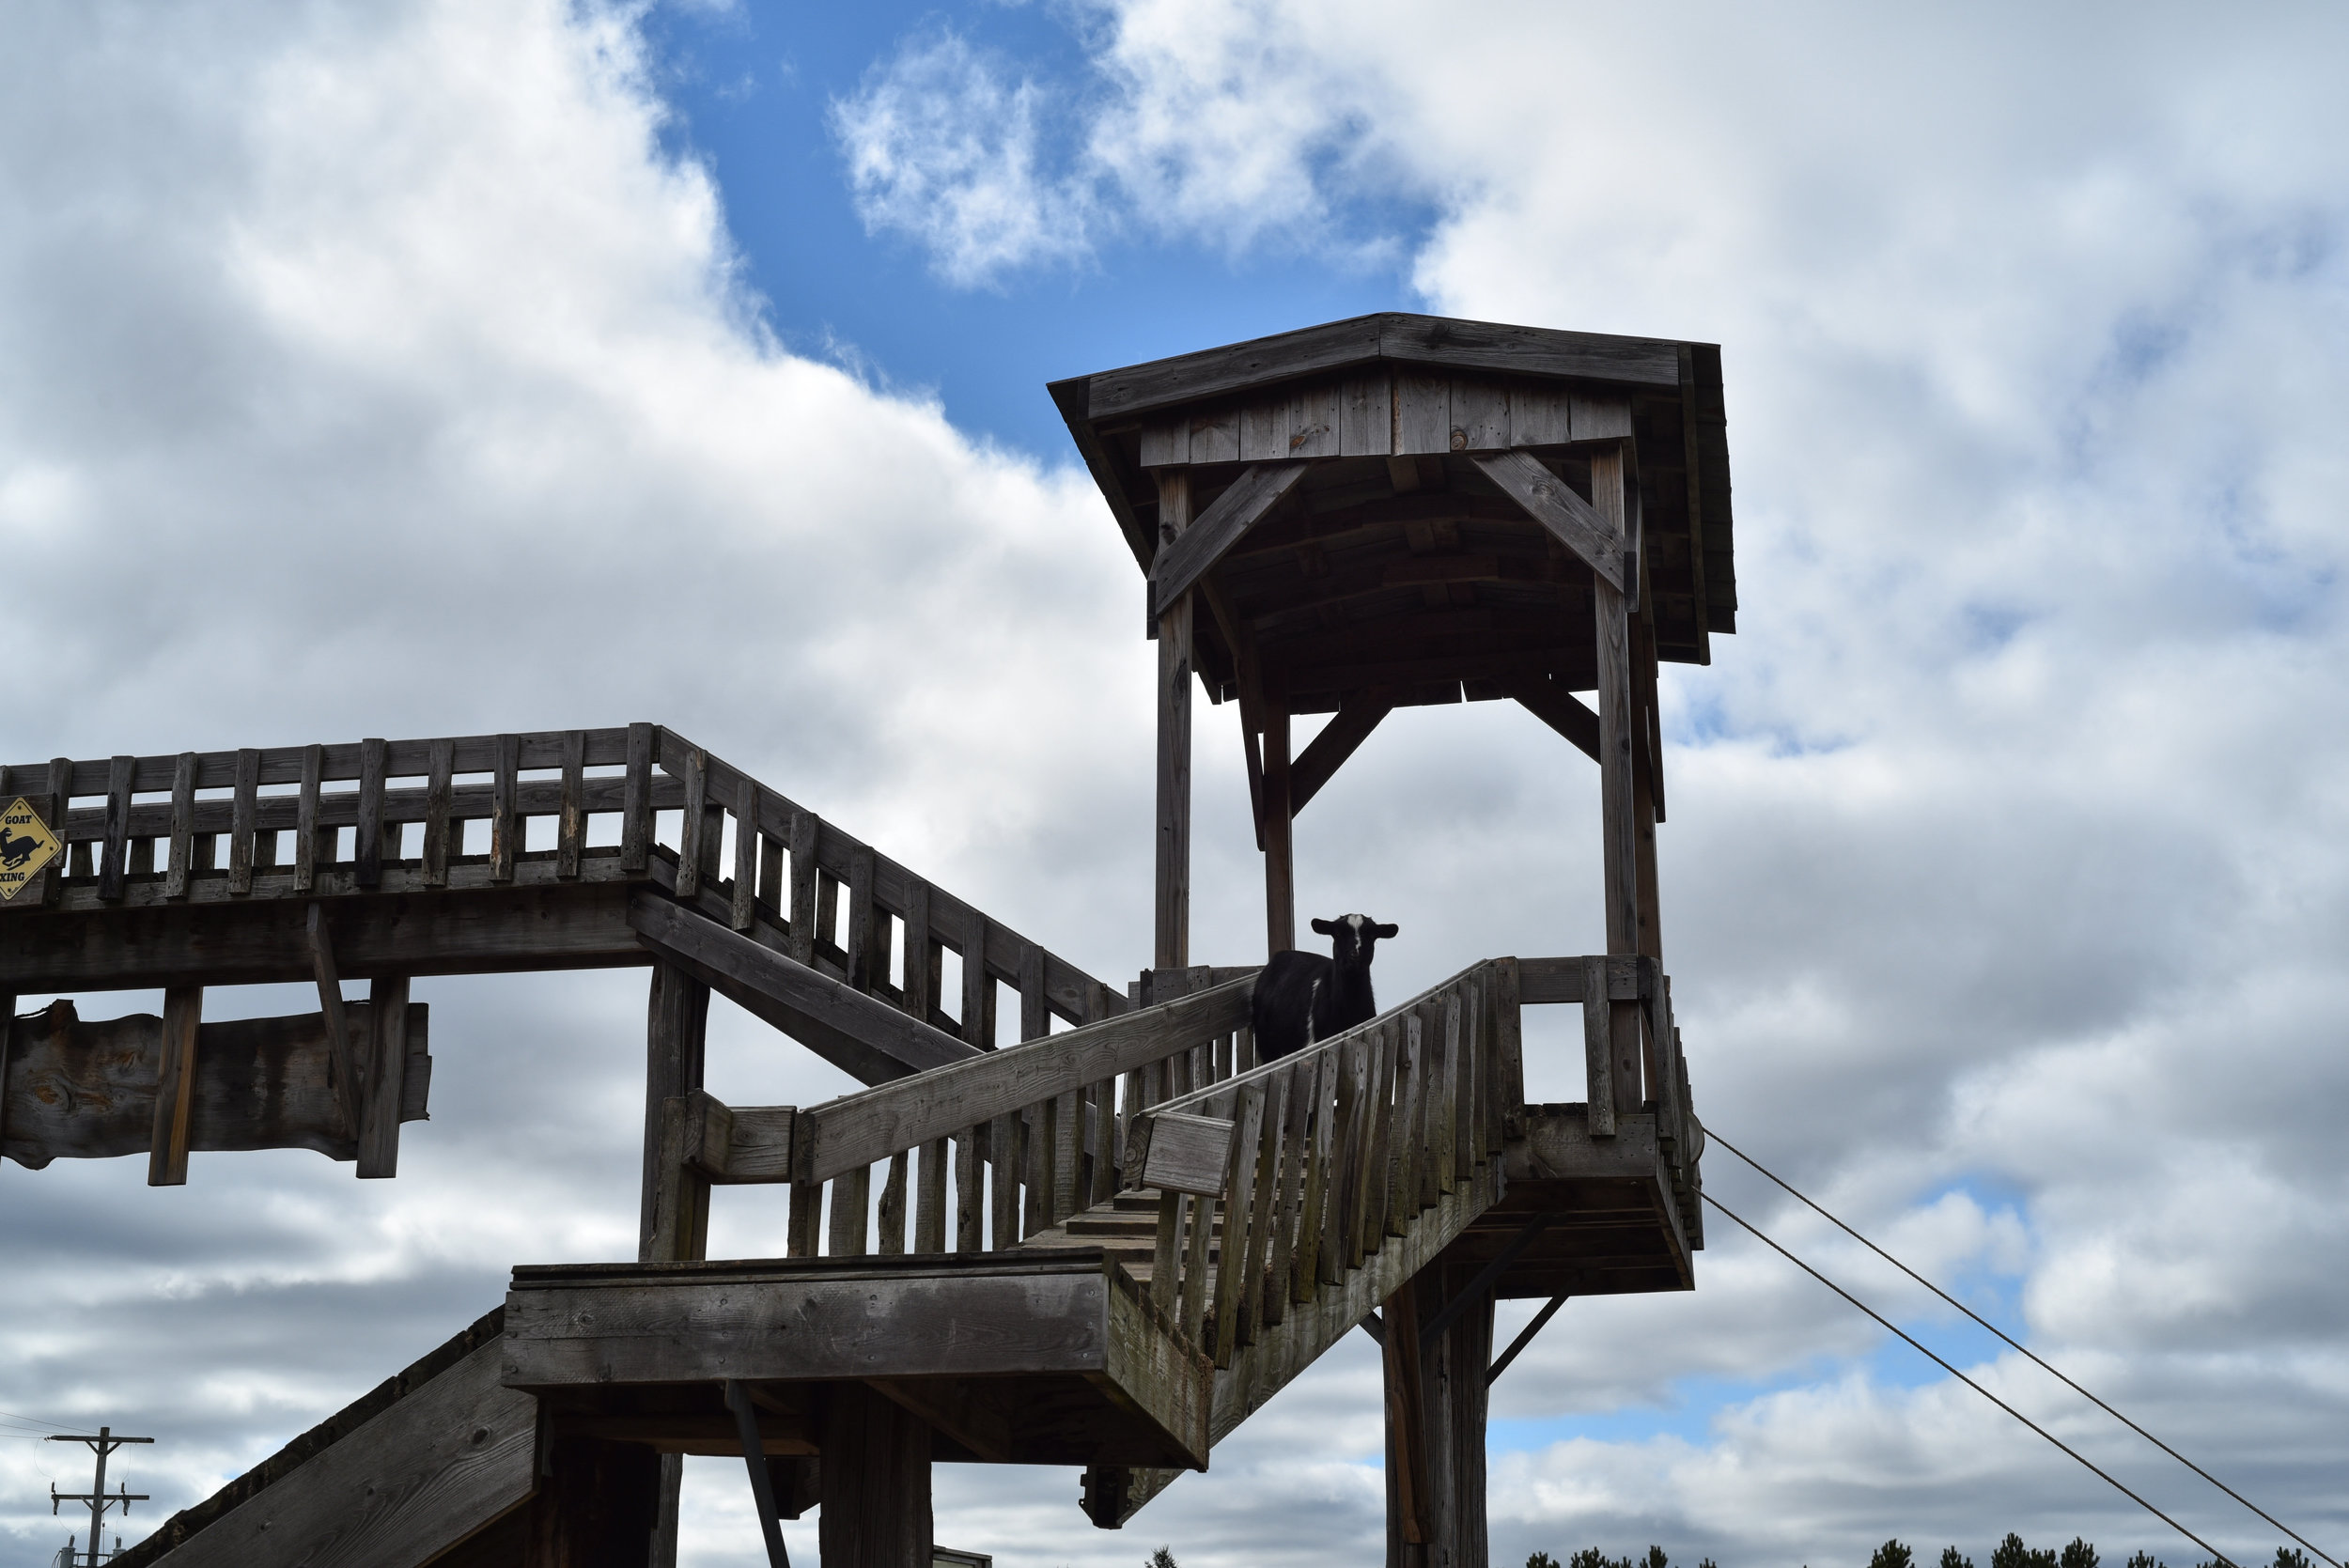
<point>423,368</point>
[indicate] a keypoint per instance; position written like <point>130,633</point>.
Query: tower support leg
<point>875,1482</point>
<point>595,1507</point>
<point>1436,1404</point>
<point>674,1224</point>
<point>1172,916</point>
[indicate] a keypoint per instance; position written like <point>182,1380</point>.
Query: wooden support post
<point>1407,1479</point>
<point>386,1074</point>
<point>595,1507</point>
<point>1280,859</point>
<point>875,1481</point>
<point>350,1093</point>
<point>1618,718</point>
<point>675,1031</point>
<point>1448,1398</point>
<point>1172,946</point>
<point>175,1090</point>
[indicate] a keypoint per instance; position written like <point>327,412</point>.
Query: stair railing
<point>1278,1182</point>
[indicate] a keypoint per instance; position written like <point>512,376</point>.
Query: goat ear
<point>1325,927</point>
<point>1382,932</point>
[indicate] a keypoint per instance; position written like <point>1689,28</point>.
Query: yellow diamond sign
<point>27,845</point>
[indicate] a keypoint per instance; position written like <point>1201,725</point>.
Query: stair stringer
<point>1280,1354</point>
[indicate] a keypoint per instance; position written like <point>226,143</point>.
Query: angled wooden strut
<point>865,1037</point>
<point>1551,502</point>
<point>348,1096</point>
<point>1191,555</point>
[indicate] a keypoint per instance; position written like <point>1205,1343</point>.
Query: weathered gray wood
<point>367,841</point>
<point>747,828</point>
<point>1251,1253</point>
<point>691,768</point>
<point>1171,941</point>
<point>506,819</point>
<point>969,1197</point>
<point>805,827</point>
<point>636,811</point>
<point>182,826</point>
<point>175,1086</point>
<point>1194,550</point>
<point>862,948</point>
<point>1618,828</point>
<point>1188,1154</point>
<point>1480,414</point>
<point>875,1482</point>
<point>440,792</point>
<point>1591,531</point>
<point>852,1208</point>
<point>891,1218</point>
<point>571,827</point>
<point>350,1093</point>
<point>1365,415</point>
<point>1003,1150</point>
<point>243,822</point>
<point>1167,1251</point>
<point>1423,411</point>
<point>862,1035</point>
<point>386,1072</point>
<point>806,1223</point>
<point>860,1128</point>
<point>677,1024</point>
<point>1408,1500</point>
<point>929,1219</point>
<point>1338,740</point>
<point>436,1466</point>
<point>306,829</point>
<point>89,1091</point>
<point>1598,1047</point>
<point>114,864</point>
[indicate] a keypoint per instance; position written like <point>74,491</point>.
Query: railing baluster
<point>505,823</point>
<point>826,910</point>
<point>635,802</point>
<point>1063,1192</point>
<point>978,990</point>
<point>692,770</point>
<point>851,1201</point>
<point>1314,1174</point>
<point>182,827</point>
<point>1598,1047</point>
<point>1239,1195</point>
<point>306,818</point>
<point>861,969</point>
<point>244,817</point>
<point>893,1207</point>
<point>570,837</point>
<point>746,823</point>
<point>1002,1152</point>
<point>366,842</point>
<point>968,1195</point>
<point>1166,1258</point>
<point>441,832</point>
<point>114,864</point>
<point>1459,1099</point>
<point>1295,1109</point>
<point>1191,1310</point>
<point>929,1211</point>
<point>921,991</point>
<point>804,881</point>
<point>1270,1097</point>
<point>1404,1143</point>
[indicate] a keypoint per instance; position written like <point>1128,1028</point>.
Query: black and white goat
<point>1303,997</point>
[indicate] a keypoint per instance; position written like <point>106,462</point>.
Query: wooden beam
<point>1340,738</point>
<point>863,1036</point>
<point>349,1098</point>
<point>1280,813</point>
<point>673,1214</point>
<point>1593,538</point>
<point>387,1070</point>
<point>1171,921</point>
<point>956,1410</point>
<point>1618,715</point>
<point>1194,550</point>
<point>175,1086</point>
<point>875,1482</point>
<point>440,1462</point>
<point>1560,709</point>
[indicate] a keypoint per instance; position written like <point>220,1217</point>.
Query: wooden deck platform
<point>1017,1357</point>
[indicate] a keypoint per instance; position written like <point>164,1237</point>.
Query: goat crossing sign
<point>26,846</point>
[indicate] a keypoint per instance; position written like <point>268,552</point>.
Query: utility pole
<point>102,1445</point>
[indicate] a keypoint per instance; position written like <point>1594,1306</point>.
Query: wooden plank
<point>969,1200</point>
<point>440,830</point>
<point>860,1128</point>
<point>385,1093</point>
<point>114,863</point>
<point>1239,1204</point>
<point>1188,1154</point>
<point>571,826</point>
<point>806,828</point>
<point>1185,378</point>
<point>1593,534</point>
<point>863,1036</point>
<point>1365,415</point>
<point>182,826</point>
<point>1195,549</point>
<point>1423,412</point>
<point>1337,740</point>
<point>1215,435</point>
<point>1597,415</point>
<point>1507,1043</point>
<point>693,769</point>
<point>1558,708</point>
<point>804,1228</point>
<point>240,841</point>
<point>747,828</point>
<point>349,1094</point>
<point>505,819</point>
<point>1410,1113</point>
<point>1165,440</point>
<point>1480,414</point>
<point>437,1465</point>
<point>892,1214</point>
<point>851,1206</point>
<point>1263,428</point>
<point>861,918</point>
<point>1323,1109</point>
<point>636,833</point>
<point>58,808</point>
<point>875,1488</point>
<point>1617,716</point>
<point>929,1221</point>
<point>1002,1159</point>
<point>1190,1306</point>
<point>1171,875</point>
<point>175,1088</point>
<point>1315,412</point>
<point>367,840</point>
<point>978,988</point>
<point>920,976</point>
<point>1537,415</point>
<point>1254,1252</point>
<point>306,827</point>
<point>1166,1257</point>
<point>1598,1047</point>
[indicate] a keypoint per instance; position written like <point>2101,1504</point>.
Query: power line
<point>2223,1560</point>
<point>2024,1349</point>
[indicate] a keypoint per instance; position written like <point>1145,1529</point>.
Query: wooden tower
<point>1403,510</point>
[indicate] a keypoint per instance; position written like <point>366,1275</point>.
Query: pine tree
<point>1952,1558</point>
<point>1892,1554</point>
<point>2079,1554</point>
<point>1161,1559</point>
<point>1541,1560</point>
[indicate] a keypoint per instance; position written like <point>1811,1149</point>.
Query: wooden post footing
<point>874,1481</point>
